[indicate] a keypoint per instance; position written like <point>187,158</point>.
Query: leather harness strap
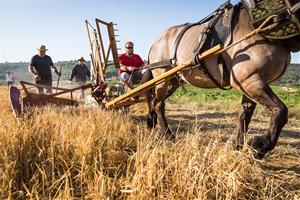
<point>178,39</point>
<point>212,19</point>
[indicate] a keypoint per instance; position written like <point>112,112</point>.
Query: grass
<point>88,153</point>
<point>224,100</point>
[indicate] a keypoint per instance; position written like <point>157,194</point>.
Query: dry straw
<point>86,153</point>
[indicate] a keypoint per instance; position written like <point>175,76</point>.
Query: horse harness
<point>287,14</point>
<point>218,30</point>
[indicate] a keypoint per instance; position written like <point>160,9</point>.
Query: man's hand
<point>57,72</point>
<point>131,69</point>
<point>37,77</point>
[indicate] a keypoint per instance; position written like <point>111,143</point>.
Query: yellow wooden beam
<point>209,53</point>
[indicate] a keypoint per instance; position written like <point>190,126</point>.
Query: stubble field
<point>87,153</point>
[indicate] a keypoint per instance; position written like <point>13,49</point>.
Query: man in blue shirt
<point>40,67</point>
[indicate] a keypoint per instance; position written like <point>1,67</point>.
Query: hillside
<point>20,70</point>
<point>291,76</point>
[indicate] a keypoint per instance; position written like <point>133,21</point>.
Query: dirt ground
<point>283,161</point>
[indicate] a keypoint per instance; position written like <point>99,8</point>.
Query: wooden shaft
<point>23,83</point>
<point>130,102</point>
<point>93,71</point>
<point>107,56</point>
<point>100,35</point>
<point>98,58</point>
<point>24,87</point>
<point>89,34</point>
<point>101,21</point>
<point>209,53</point>
<point>58,79</point>
<point>87,86</point>
<point>64,90</point>
<point>93,62</point>
<point>113,44</point>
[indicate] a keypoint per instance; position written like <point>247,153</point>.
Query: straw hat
<point>81,59</point>
<point>42,48</point>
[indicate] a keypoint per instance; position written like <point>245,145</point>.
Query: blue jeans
<point>135,76</point>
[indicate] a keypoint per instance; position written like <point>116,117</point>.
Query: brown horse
<point>252,65</point>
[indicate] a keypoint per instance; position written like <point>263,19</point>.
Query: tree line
<point>291,76</point>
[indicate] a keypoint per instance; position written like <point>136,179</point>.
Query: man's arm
<point>35,76</point>
<point>54,67</point>
<point>88,73</point>
<point>141,62</point>
<point>73,73</point>
<point>55,70</point>
<point>122,66</point>
<point>126,68</point>
<point>30,69</point>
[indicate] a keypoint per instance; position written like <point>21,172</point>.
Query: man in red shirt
<point>130,66</point>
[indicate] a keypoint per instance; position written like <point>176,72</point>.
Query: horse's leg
<point>152,116</point>
<point>175,83</point>
<point>247,109</point>
<point>279,117</point>
<point>171,86</point>
<point>159,107</point>
<point>260,91</point>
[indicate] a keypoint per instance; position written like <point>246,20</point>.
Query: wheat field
<point>88,153</point>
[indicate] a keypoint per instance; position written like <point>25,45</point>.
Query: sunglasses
<point>129,47</point>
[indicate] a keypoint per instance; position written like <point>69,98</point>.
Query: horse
<point>251,64</point>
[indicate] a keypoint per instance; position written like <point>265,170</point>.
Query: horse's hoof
<point>151,123</point>
<point>260,145</point>
<point>152,120</point>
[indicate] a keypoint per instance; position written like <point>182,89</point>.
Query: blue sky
<point>59,24</point>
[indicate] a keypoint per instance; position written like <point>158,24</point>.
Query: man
<point>9,78</point>
<point>130,66</point>
<point>40,67</point>
<point>80,72</point>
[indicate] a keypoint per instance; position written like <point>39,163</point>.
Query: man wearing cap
<point>40,67</point>
<point>130,66</point>
<point>80,71</point>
